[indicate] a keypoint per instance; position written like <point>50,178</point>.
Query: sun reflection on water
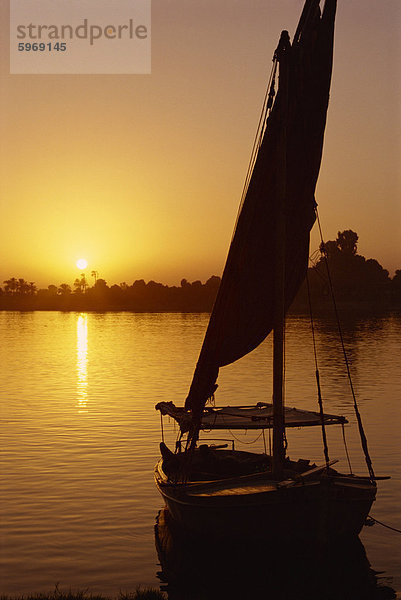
<point>82,362</point>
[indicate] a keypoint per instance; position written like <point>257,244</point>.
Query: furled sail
<point>242,316</point>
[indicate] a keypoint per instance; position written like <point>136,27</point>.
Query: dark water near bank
<point>80,434</point>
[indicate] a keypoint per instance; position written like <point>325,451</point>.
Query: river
<point>80,433</point>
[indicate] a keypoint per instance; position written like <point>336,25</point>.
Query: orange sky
<point>142,174</point>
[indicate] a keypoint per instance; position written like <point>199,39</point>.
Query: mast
<point>282,52</point>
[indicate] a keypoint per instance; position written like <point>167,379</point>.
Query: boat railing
<point>227,441</point>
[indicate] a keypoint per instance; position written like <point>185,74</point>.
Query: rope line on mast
<point>362,435</point>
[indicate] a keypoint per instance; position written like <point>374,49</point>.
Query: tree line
<point>18,294</point>
<point>353,278</point>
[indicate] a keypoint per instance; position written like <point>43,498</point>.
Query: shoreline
<point>319,308</point>
<point>140,594</point>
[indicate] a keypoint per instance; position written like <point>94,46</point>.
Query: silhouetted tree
<point>11,285</point>
<point>64,289</point>
<point>99,290</point>
<point>32,288</point>
<point>213,282</point>
<point>115,295</point>
<point>52,290</point>
<point>101,284</point>
<point>347,241</point>
<point>396,285</point>
<point>353,276</point>
<point>330,248</point>
<point>22,286</point>
<point>80,284</point>
<point>397,278</point>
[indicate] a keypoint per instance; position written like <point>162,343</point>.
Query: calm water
<point>80,434</point>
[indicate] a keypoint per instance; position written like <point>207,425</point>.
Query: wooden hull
<point>322,509</point>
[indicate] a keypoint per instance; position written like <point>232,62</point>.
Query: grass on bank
<point>139,594</point>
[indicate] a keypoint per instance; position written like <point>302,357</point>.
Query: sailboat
<point>219,491</point>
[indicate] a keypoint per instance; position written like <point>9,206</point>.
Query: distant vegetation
<point>354,278</point>
<point>18,294</point>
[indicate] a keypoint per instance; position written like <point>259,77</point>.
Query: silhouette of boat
<point>218,491</point>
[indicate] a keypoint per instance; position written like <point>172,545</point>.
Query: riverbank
<point>324,307</point>
<point>56,594</point>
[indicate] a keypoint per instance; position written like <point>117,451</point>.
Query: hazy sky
<point>142,174</point>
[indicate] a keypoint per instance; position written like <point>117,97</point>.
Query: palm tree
<point>95,275</point>
<point>64,289</point>
<point>80,284</point>
<point>23,286</point>
<point>84,284</point>
<point>77,286</point>
<point>11,285</point>
<point>32,288</point>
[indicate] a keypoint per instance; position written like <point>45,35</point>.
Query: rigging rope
<point>319,391</point>
<point>264,441</point>
<point>265,112</point>
<point>362,435</point>
<point>242,441</point>
<point>285,441</point>
<point>384,525</point>
<point>161,424</point>
<point>178,441</point>
<point>346,449</point>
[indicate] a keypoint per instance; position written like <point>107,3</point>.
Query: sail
<point>243,313</point>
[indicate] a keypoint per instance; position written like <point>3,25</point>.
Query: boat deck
<point>234,489</point>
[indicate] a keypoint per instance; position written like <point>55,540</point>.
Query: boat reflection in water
<point>204,570</point>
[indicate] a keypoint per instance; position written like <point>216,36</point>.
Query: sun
<point>82,263</point>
